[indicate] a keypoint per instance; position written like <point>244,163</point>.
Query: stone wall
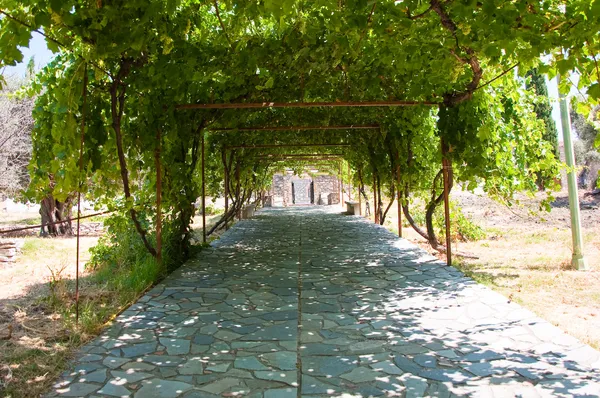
<point>324,186</point>
<point>9,248</point>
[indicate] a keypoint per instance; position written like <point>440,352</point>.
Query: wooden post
<point>158,199</point>
<point>203,192</point>
<point>446,165</point>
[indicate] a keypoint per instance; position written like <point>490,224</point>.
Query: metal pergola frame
<point>296,128</point>
<point>315,157</point>
<point>341,104</point>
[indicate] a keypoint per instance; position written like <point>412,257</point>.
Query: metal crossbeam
<point>347,104</point>
<point>295,128</point>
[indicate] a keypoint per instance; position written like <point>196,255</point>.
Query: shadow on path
<point>308,302</point>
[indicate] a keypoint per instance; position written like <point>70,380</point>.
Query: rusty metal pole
<point>84,95</point>
<point>359,202</point>
<point>349,191</point>
<point>341,184</point>
<point>399,199</point>
<point>226,179</point>
<point>375,212</point>
<point>238,189</point>
<point>446,165</point>
<point>158,200</point>
<point>203,192</point>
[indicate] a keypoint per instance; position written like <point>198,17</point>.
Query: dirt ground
<point>34,343</point>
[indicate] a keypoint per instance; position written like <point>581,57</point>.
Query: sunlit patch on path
<point>308,302</point>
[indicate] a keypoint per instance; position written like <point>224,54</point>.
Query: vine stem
<point>222,24</point>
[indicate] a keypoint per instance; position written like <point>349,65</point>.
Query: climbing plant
<point>136,61</point>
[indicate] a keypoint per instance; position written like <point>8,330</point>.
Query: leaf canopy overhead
<point>145,57</point>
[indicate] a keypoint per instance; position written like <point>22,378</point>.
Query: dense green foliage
<point>141,58</point>
<point>543,109</point>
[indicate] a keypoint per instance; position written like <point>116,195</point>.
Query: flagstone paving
<point>308,302</point>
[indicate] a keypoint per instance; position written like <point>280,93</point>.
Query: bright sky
<point>39,50</point>
<point>553,94</point>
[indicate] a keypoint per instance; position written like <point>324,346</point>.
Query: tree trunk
<point>55,211</point>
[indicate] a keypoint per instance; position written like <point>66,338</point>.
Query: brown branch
<point>222,24</point>
<point>595,61</point>
<point>421,15</point>
<point>369,19</point>
<point>499,76</point>
<point>471,59</point>
<point>117,105</point>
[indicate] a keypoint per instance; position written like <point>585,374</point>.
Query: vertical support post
<point>446,177</point>
<point>360,185</point>
<point>359,202</point>
<point>399,199</point>
<point>578,260</point>
<point>237,189</point>
<point>158,199</point>
<point>375,201</point>
<point>341,184</point>
<point>226,181</point>
<point>349,190</point>
<point>81,142</point>
<point>203,191</point>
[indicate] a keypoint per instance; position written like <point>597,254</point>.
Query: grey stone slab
<point>282,360</point>
<point>328,366</point>
<point>138,350</point>
<point>227,323</point>
<point>446,375</point>
<point>193,366</point>
<point>114,362</point>
<point>312,385</point>
<point>219,367</point>
<point>158,388</point>
<point>280,315</point>
<point>98,376</point>
<point>163,360</point>
<point>77,390</point>
<point>361,374</point>
<point>281,393</point>
<point>219,386</point>
<point>203,339</point>
<point>249,363</point>
<point>175,346</point>
<point>407,365</point>
<point>285,331</point>
<point>482,356</point>
<point>287,377</point>
<point>114,390</point>
<point>425,360</point>
<point>130,376</point>
<point>387,367</point>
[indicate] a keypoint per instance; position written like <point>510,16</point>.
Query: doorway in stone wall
<point>303,191</point>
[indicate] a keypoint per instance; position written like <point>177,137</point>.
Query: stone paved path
<point>306,302</point>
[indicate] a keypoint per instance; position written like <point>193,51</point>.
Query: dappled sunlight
<point>307,301</point>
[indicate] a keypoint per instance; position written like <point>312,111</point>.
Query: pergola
<point>139,86</point>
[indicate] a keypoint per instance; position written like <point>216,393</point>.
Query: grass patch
<point>45,334</point>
